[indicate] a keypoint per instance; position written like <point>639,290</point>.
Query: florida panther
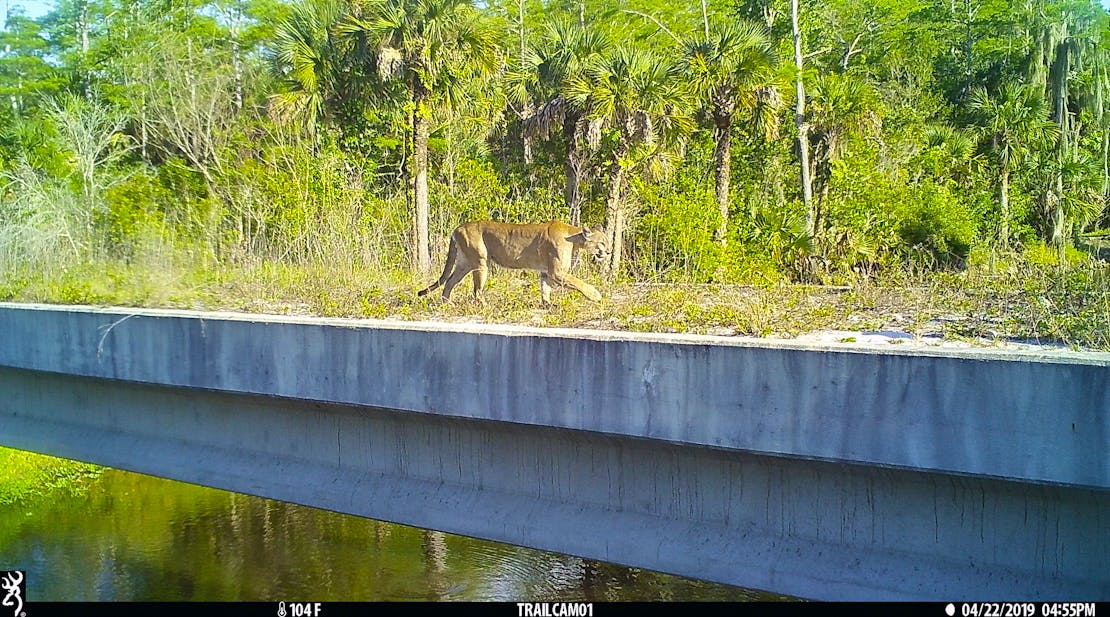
<point>545,247</point>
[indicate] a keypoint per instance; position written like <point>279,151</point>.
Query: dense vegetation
<point>25,476</point>
<point>178,148</point>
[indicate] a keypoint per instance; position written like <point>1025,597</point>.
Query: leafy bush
<point>1043,256</point>
<point>773,243</point>
<point>933,227</point>
<point>133,213</point>
<point>673,236</point>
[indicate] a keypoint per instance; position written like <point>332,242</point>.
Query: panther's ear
<point>587,235</point>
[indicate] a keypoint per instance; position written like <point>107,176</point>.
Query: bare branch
<point>656,22</point>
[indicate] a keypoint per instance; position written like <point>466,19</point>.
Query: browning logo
<point>11,584</point>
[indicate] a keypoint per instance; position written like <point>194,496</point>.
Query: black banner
<point>566,609</point>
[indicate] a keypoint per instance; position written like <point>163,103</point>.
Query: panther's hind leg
<point>456,276</point>
<point>480,275</point>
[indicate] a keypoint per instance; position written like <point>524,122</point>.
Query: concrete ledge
<point>805,528</point>
<point>808,470</point>
<point>1027,416</point>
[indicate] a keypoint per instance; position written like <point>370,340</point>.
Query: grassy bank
<point>1026,297</point>
<point>25,475</point>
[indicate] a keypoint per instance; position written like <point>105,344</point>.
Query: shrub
<point>933,227</point>
<point>673,236</point>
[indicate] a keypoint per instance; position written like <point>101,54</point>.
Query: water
<point>129,537</point>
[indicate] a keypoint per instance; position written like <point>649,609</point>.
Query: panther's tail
<point>452,255</point>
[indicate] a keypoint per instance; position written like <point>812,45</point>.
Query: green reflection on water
<point>131,537</point>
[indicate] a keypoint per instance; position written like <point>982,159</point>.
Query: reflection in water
<point>434,546</point>
<point>133,537</point>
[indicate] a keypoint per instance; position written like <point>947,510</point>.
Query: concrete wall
<point>812,471</point>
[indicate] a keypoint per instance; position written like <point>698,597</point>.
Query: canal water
<point>128,537</point>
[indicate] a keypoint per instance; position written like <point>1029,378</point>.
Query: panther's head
<point>593,242</point>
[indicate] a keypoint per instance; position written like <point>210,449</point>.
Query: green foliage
<point>26,475</point>
<point>31,140</point>
<point>1044,257</point>
<point>935,230</point>
<point>933,126</point>
<point>27,77</point>
<point>775,236</point>
<point>133,215</point>
<point>673,239</point>
<point>297,205</point>
<point>477,192</point>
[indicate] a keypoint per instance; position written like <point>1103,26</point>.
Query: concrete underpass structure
<point>824,472</point>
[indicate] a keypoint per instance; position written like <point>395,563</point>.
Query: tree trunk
<point>236,56</point>
<point>722,134</point>
<point>821,175</point>
<point>526,112</point>
<point>1059,76</point>
<point>1004,206</point>
<point>528,108</point>
<point>614,209</point>
<point>1105,163</point>
<point>144,137</point>
<point>420,130</point>
<point>83,32</point>
<point>573,168</point>
<point>969,47</point>
<point>803,126</point>
<point>1100,84</point>
<point>1059,227</point>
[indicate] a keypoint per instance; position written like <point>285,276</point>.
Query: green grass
<point>25,475</point>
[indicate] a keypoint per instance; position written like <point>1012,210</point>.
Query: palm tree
<point>305,59</point>
<point>1068,188</point>
<point>731,69</point>
<point>427,45</point>
<point>1065,41</point>
<point>566,48</point>
<point>840,105</point>
<point>949,153</point>
<point>1013,121</point>
<point>644,102</point>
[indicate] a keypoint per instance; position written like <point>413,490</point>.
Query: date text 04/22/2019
<point>1023,609</point>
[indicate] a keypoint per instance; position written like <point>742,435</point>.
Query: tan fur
<point>545,247</point>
